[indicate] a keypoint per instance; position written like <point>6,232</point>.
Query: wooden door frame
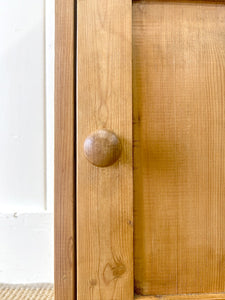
<point>64,211</point>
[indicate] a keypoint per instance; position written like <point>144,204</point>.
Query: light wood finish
<point>179,148</point>
<point>184,297</point>
<point>102,148</point>
<point>104,195</point>
<point>64,151</point>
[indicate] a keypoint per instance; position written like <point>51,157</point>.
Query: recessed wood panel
<point>179,146</point>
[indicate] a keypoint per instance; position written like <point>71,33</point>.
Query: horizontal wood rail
<point>219,296</point>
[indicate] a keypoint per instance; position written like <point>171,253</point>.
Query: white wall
<point>26,250</point>
<point>26,140</point>
<point>22,135</point>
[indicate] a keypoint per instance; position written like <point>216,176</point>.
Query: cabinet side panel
<point>64,218</point>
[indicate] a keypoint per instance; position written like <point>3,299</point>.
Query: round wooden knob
<point>102,148</point>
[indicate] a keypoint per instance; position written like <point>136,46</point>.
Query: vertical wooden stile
<point>105,195</point>
<point>64,151</point>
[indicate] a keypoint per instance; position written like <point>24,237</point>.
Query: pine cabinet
<point>140,156</point>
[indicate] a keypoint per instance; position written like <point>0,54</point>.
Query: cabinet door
<point>171,116</point>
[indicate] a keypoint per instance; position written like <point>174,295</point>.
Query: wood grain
<point>184,297</point>
<point>179,149</point>
<point>64,151</point>
<point>105,195</point>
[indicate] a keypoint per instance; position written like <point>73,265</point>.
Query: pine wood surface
<point>184,297</point>
<point>104,195</point>
<point>64,221</point>
<point>179,149</point>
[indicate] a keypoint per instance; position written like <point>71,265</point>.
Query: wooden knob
<point>102,148</point>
